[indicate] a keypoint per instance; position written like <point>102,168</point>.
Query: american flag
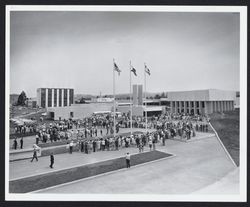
<point>147,70</point>
<point>116,68</point>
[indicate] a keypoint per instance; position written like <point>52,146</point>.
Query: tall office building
<point>137,95</point>
<point>55,97</point>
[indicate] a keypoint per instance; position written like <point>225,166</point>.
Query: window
<point>187,104</point>
<point>71,96</point>
<point>178,104</point>
<point>203,104</point>
<point>60,97</point>
<point>192,104</point>
<point>197,104</point>
<point>65,97</point>
<point>43,97</point>
<point>173,104</point>
<point>49,97</point>
<point>55,97</point>
<point>182,104</point>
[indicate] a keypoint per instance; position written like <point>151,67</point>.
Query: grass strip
<point>227,127</point>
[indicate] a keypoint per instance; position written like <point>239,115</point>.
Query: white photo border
<point>241,197</point>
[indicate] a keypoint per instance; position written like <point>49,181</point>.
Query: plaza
<point>195,167</point>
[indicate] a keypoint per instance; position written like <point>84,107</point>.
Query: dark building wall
<point>49,97</point>
<point>65,97</point>
<point>71,96</point>
<point>43,97</point>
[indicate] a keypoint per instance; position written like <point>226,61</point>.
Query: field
<point>227,126</point>
<point>37,182</point>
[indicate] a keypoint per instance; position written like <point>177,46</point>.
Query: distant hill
<point>118,96</point>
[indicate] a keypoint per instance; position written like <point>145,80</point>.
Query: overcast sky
<point>184,51</point>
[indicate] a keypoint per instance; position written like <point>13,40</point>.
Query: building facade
<point>55,97</point>
<point>201,101</point>
<point>137,95</point>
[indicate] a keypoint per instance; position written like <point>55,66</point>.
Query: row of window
<point>65,97</point>
<point>187,104</point>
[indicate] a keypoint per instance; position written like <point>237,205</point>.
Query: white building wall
<point>46,98</point>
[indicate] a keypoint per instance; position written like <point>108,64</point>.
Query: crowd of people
<point>92,131</point>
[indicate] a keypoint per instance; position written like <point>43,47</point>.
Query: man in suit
<point>21,143</point>
<point>34,155</point>
<point>15,144</point>
<point>51,160</point>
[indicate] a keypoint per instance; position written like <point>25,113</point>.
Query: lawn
<point>33,183</point>
<point>227,126</point>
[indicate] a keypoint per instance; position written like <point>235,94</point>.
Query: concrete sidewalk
<point>195,166</point>
<point>24,168</point>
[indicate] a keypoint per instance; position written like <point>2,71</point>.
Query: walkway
<point>196,166</point>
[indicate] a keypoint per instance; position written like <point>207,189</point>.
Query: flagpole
<point>130,99</point>
<point>114,94</point>
<point>145,94</point>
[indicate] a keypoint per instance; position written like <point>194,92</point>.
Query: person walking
<point>128,160</point>
<point>34,155</point>
<point>150,144</point>
<point>21,143</point>
<point>94,146</point>
<point>51,160</point>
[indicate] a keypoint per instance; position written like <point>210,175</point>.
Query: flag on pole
<point>116,68</point>
<point>134,71</point>
<point>147,70</point>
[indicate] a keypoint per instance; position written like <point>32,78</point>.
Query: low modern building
<point>55,97</point>
<point>77,111</point>
<point>191,102</point>
<point>201,101</point>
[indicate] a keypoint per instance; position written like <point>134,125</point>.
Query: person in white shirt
<point>128,160</point>
<point>71,144</point>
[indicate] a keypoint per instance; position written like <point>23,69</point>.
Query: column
<point>180,107</point>
<point>176,107</point>
<point>222,105</point>
<point>225,105</point>
<point>171,106</point>
<point>232,105</point>
<point>46,97</point>
<point>200,108</point>
<point>53,96</point>
<point>195,112</point>
<point>228,106</point>
<point>189,106</point>
<point>207,107</point>
<point>185,106</point>
<point>57,102</point>
<point>214,106</point>
<point>62,97</point>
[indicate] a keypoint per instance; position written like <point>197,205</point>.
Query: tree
<point>157,96</point>
<point>162,95</point>
<point>82,100</point>
<point>21,99</point>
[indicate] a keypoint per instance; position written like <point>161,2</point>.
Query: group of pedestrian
<point>15,143</point>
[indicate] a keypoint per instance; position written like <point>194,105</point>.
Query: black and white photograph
<point>126,103</point>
